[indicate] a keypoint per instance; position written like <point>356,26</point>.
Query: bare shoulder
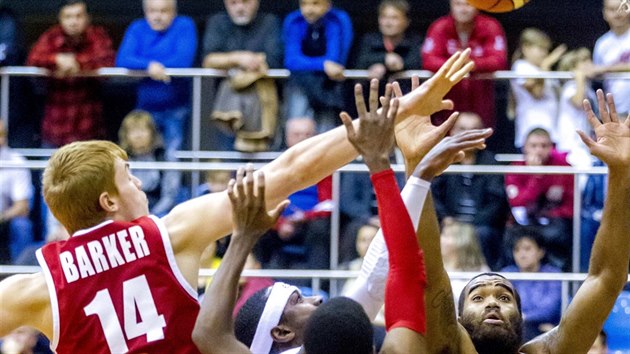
<point>541,344</point>
<point>25,301</point>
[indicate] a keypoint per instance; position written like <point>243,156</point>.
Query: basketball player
<point>123,282</point>
<point>280,319</point>
<point>490,316</point>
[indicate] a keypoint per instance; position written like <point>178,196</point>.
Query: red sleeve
<point>524,190</point>
<point>494,46</point>
<point>98,52</point>
<point>434,52</point>
<point>44,51</point>
<point>406,280</point>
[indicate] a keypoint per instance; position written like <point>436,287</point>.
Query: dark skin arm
<point>608,268</point>
<point>214,329</point>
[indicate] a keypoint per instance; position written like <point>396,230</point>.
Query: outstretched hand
<point>374,137</point>
<point>450,150</point>
<point>612,144</point>
<point>247,195</point>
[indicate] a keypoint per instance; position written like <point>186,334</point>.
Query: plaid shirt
<point>73,105</point>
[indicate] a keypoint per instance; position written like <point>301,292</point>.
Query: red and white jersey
<point>115,288</point>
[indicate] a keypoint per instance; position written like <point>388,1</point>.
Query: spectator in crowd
<point>301,237</point>
<point>9,38</point>
<point>478,199</point>
<point>74,107</point>
<point>612,52</point>
<point>535,100</point>
<point>317,40</point>
<point>16,192</point>
<point>600,345</point>
<point>571,117</point>
<point>365,235</point>
<point>392,49</point>
<point>464,27</point>
<point>139,137</point>
<point>540,300</point>
<point>162,40</point>
<point>544,200</point>
<point>24,340</point>
<point>593,198</point>
<point>247,43</point>
<point>461,252</point>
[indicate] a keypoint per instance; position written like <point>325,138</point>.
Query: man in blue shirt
<point>162,40</point>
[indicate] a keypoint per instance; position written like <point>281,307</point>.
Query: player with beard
<point>490,317</point>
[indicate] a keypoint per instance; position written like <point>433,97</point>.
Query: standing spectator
<point>247,43</point>
<point>612,52</point>
<point>317,40</point>
<point>139,137</point>
<point>162,40</point>
<point>16,191</point>
<point>571,116</point>
<point>536,100</point>
<point>540,300</point>
<point>74,107</point>
<point>465,28</point>
<point>478,199</point>
<point>545,200</point>
<point>392,49</point>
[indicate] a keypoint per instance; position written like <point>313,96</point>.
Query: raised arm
<point>214,329</point>
<point>608,268</point>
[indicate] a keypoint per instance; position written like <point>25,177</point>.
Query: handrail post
<point>334,229</point>
<point>4,99</point>
<point>577,211</point>
<point>195,129</point>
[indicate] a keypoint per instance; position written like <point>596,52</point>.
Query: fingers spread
<point>397,90</point>
<point>461,73</point>
<point>260,188</point>
<point>590,115</point>
<point>611,108</point>
<point>359,100</point>
<point>603,112</point>
<point>347,122</point>
<point>415,82</point>
<point>373,95</point>
<point>448,124</point>
<point>586,139</point>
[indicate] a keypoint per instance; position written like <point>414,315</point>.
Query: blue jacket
<point>174,48</point>
<point>338,40</point>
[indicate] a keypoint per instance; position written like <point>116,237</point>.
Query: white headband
<point>274,307</point>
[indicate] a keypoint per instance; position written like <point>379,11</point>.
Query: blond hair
<point>531,36</point>
<point>137,118</point>
<point>570,60</point>
<point>76,175</point>
<point>469,256</point>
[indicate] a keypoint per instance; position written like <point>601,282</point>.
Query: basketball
<point>498,5</point>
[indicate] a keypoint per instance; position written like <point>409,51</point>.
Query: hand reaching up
<point>247,196</point>
<point>612,144</point>
<point>374,137</point>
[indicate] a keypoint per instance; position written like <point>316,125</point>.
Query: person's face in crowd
<point>160,13</point>
<point>538,147</point>
<point>527,255</point>
<point>132,201</point>
<point>297,312</point>
<point>140,137</point>
<point>490,314</point>
<point>74,19</point>
<point>462,11</point>
<point>242,12</point>
<point>617,20</point>
<point>313,10</point>
<point>599,347</point>
<point>535,53</point>
<point>392,22</point>
<point>299,129</point>
<point>466,122</point>
<point>364,238</point>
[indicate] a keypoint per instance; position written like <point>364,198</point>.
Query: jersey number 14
<point>139,311</point>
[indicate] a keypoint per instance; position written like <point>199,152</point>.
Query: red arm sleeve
<point>404,292</point>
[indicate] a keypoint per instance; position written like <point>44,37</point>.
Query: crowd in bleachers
<point>503,217</point>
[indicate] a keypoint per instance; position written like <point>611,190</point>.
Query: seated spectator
<point>391,49</point>
<point>599,346</point>
<point>571,116</point>
<point>535,100</point>
<point>138,136</point>
<point>301,237</point>
<point>540,300</point>
<point>162,40</point>
<point>365,235</point>
<point>478,199</point>
<point>215,181</point>
<point>247,43</point>
<point>544,200</point>
<point>16,192</point>
<point>74,107</point>
<point>317,40</point>
<point>461,252</point>
<point>464,27</point>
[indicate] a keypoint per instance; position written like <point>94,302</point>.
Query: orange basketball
<point>498,5</point>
